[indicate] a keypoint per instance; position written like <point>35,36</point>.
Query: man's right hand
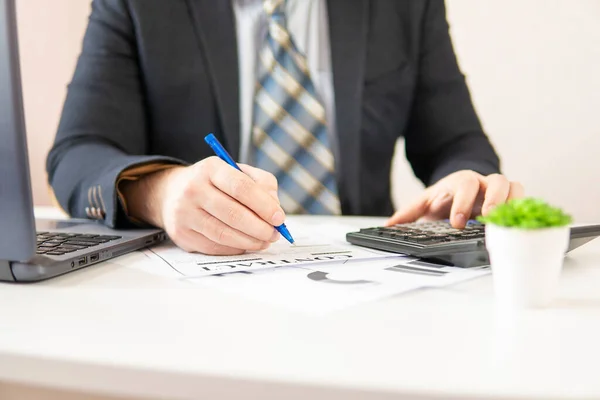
<point>209,207</point>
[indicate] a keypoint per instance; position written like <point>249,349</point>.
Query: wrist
<point>145,196</point>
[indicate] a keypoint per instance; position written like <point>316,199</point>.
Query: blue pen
<point>220,151</point>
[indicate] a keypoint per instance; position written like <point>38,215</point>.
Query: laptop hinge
<point>6,271</point>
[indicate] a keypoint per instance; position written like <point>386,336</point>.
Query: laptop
<point>33,250</point>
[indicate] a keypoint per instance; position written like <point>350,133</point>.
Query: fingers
<point>516,191</point>
<point>219,232</point>
<point>192,241</point>
<point>460,196</point>
<point>498,188</point>
<point>464,198</point>
<point>428,207</point>
<point>264,179</point>
<point>246,191</point>
<point>440,206</point>
<point>410,213</point>
<point>199,216</point>
<point>237,217</point>
<point>194,229</point>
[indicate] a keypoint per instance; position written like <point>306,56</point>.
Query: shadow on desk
<point>576,304</point>
<point>13,391</point>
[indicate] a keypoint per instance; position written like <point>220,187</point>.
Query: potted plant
<point>526,241</point>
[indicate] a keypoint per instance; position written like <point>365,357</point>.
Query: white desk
<point>116,331</point>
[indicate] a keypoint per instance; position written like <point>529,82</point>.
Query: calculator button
<point>439,236</point>
<point>456,234</point>
<point>419,237</point>
<point>473,236</point>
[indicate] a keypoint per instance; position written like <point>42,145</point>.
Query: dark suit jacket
<point>155,76</point>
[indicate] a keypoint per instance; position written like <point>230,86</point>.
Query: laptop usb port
<point>82,261</point>
<point>94,257</point>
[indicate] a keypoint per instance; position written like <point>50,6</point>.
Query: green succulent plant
<point>526,213</point>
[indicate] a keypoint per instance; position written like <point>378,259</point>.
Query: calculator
<point>439,242</point>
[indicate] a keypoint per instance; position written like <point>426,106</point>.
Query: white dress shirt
<point>309,26</point>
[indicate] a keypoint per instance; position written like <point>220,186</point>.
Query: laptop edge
<point>19,260</point>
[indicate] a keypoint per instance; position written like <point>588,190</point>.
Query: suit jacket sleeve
<point>102,131</point>
<point>444,134</point>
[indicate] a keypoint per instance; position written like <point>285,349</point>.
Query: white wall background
<point>534,71</point>
<point>533,67</point>
<point>50,34</point>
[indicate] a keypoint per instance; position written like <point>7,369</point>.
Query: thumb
<point>409,214</point>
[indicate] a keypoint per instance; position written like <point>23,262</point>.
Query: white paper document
<point>307,251</point>
<point>321,289</point>
<point>323,273</point>
<point>316,243</point>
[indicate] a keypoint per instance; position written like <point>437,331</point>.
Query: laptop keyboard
<point>57,244</point>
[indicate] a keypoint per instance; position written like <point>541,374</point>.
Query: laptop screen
<point>17,224</point>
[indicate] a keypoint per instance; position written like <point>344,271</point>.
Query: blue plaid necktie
<point>289,132</point>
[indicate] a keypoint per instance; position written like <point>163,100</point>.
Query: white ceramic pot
<point>526,264</point>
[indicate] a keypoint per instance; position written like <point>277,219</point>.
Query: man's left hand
<point>459,196</point>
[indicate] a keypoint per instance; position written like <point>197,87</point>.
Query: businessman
<point>309,95</point>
